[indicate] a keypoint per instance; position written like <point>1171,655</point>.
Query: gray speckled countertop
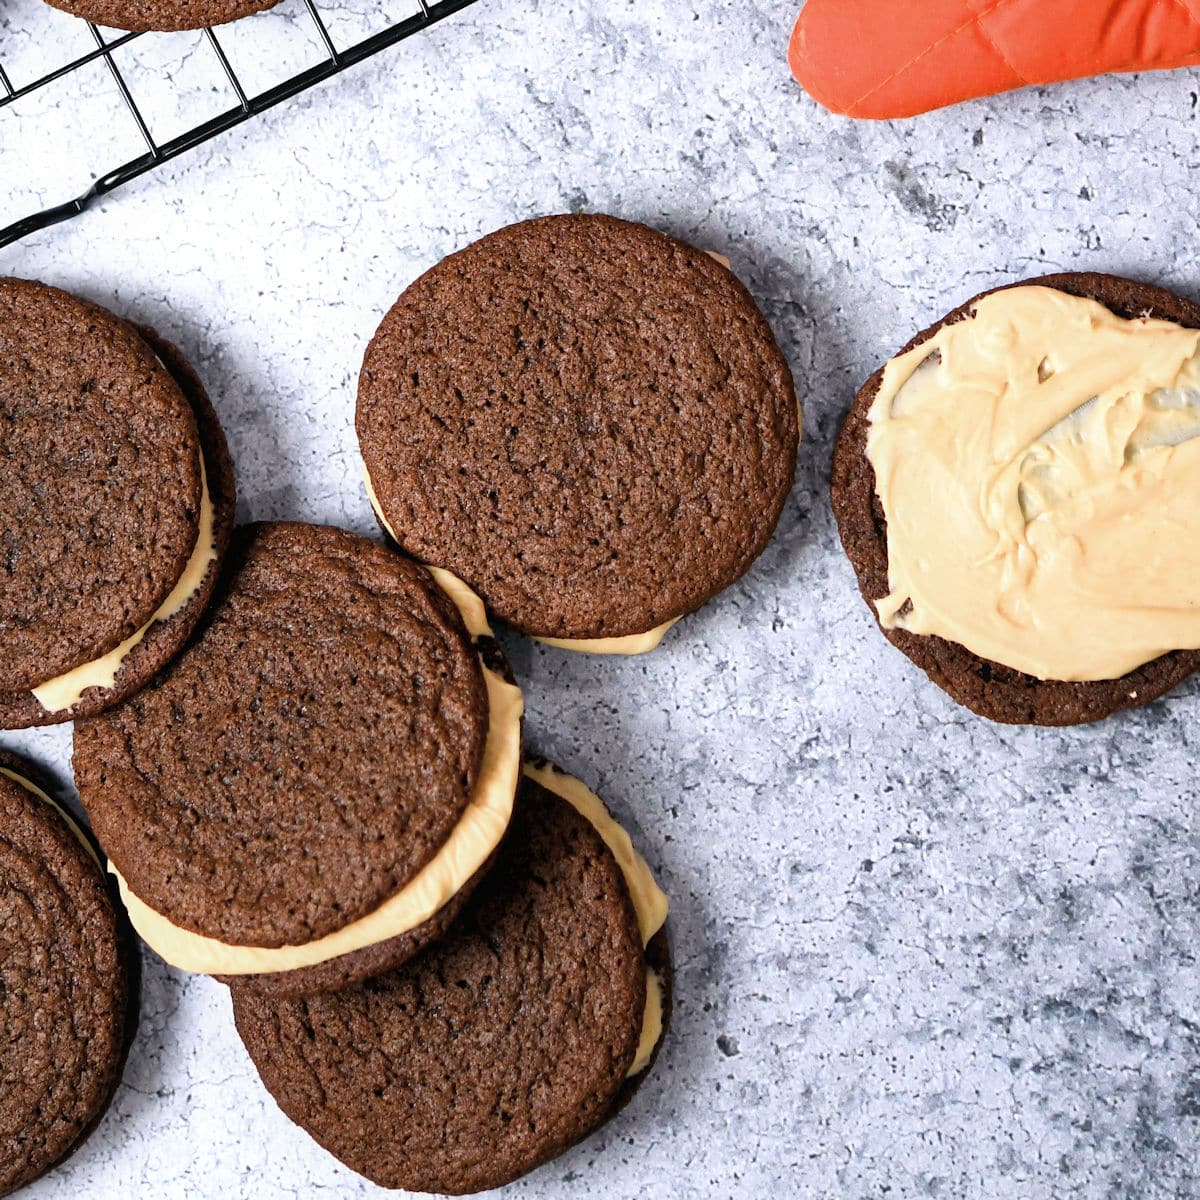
<point>917,954</point>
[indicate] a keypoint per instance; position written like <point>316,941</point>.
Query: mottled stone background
<point>918,954</point>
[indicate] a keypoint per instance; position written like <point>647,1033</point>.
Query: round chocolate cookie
<point>165,16</point>
<point>586,420</point>
<point>100,495</point>
<point>307,755</point>
<point>496,1048</point>
<point>67,985</point>
<point>988,688</point>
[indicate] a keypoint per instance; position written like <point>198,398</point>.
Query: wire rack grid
<point>105,47</point>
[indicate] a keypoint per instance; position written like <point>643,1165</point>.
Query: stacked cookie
<point>587,421</point>
<point>117,500</point>
<point>579,425</point>
<point>530,1023</point>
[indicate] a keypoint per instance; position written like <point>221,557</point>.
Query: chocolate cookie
<point>988,688</point>
<point>165,16</point>
<point>304,764</point>
<point>494,1050</point>
<point>586,420</point>
<point>102,502</point>
<point>67,995</point>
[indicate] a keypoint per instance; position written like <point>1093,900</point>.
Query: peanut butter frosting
<point>1038,465</point>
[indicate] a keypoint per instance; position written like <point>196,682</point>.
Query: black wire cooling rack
<point>249,102</point>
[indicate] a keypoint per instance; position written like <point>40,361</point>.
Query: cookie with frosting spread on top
<point>116,504</point>
<point>1054,643</point>
<point>588,421</point>
<point>164,16</point>
<point>311,790</point>
<point>526,1027</point>
<point>67,982</point>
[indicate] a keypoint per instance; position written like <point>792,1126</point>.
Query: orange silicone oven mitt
<point>897,58</point>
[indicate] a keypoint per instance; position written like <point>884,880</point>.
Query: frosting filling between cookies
<point>649,901</point>
<point>468,847</point>
<point>63,691</point>
<point>68,820</point>
<point>633,643</point>
<point>1038,464</point>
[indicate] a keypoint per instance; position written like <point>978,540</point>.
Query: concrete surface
<point>917,954</point>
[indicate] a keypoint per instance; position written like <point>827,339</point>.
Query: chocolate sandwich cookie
<point>165,16</point>
<point>67,982</point>
<point>116,504</point>
<point>1017,491</point>
<point>314,786</point>
<point>587,421</point>
<point>520,1032</point>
